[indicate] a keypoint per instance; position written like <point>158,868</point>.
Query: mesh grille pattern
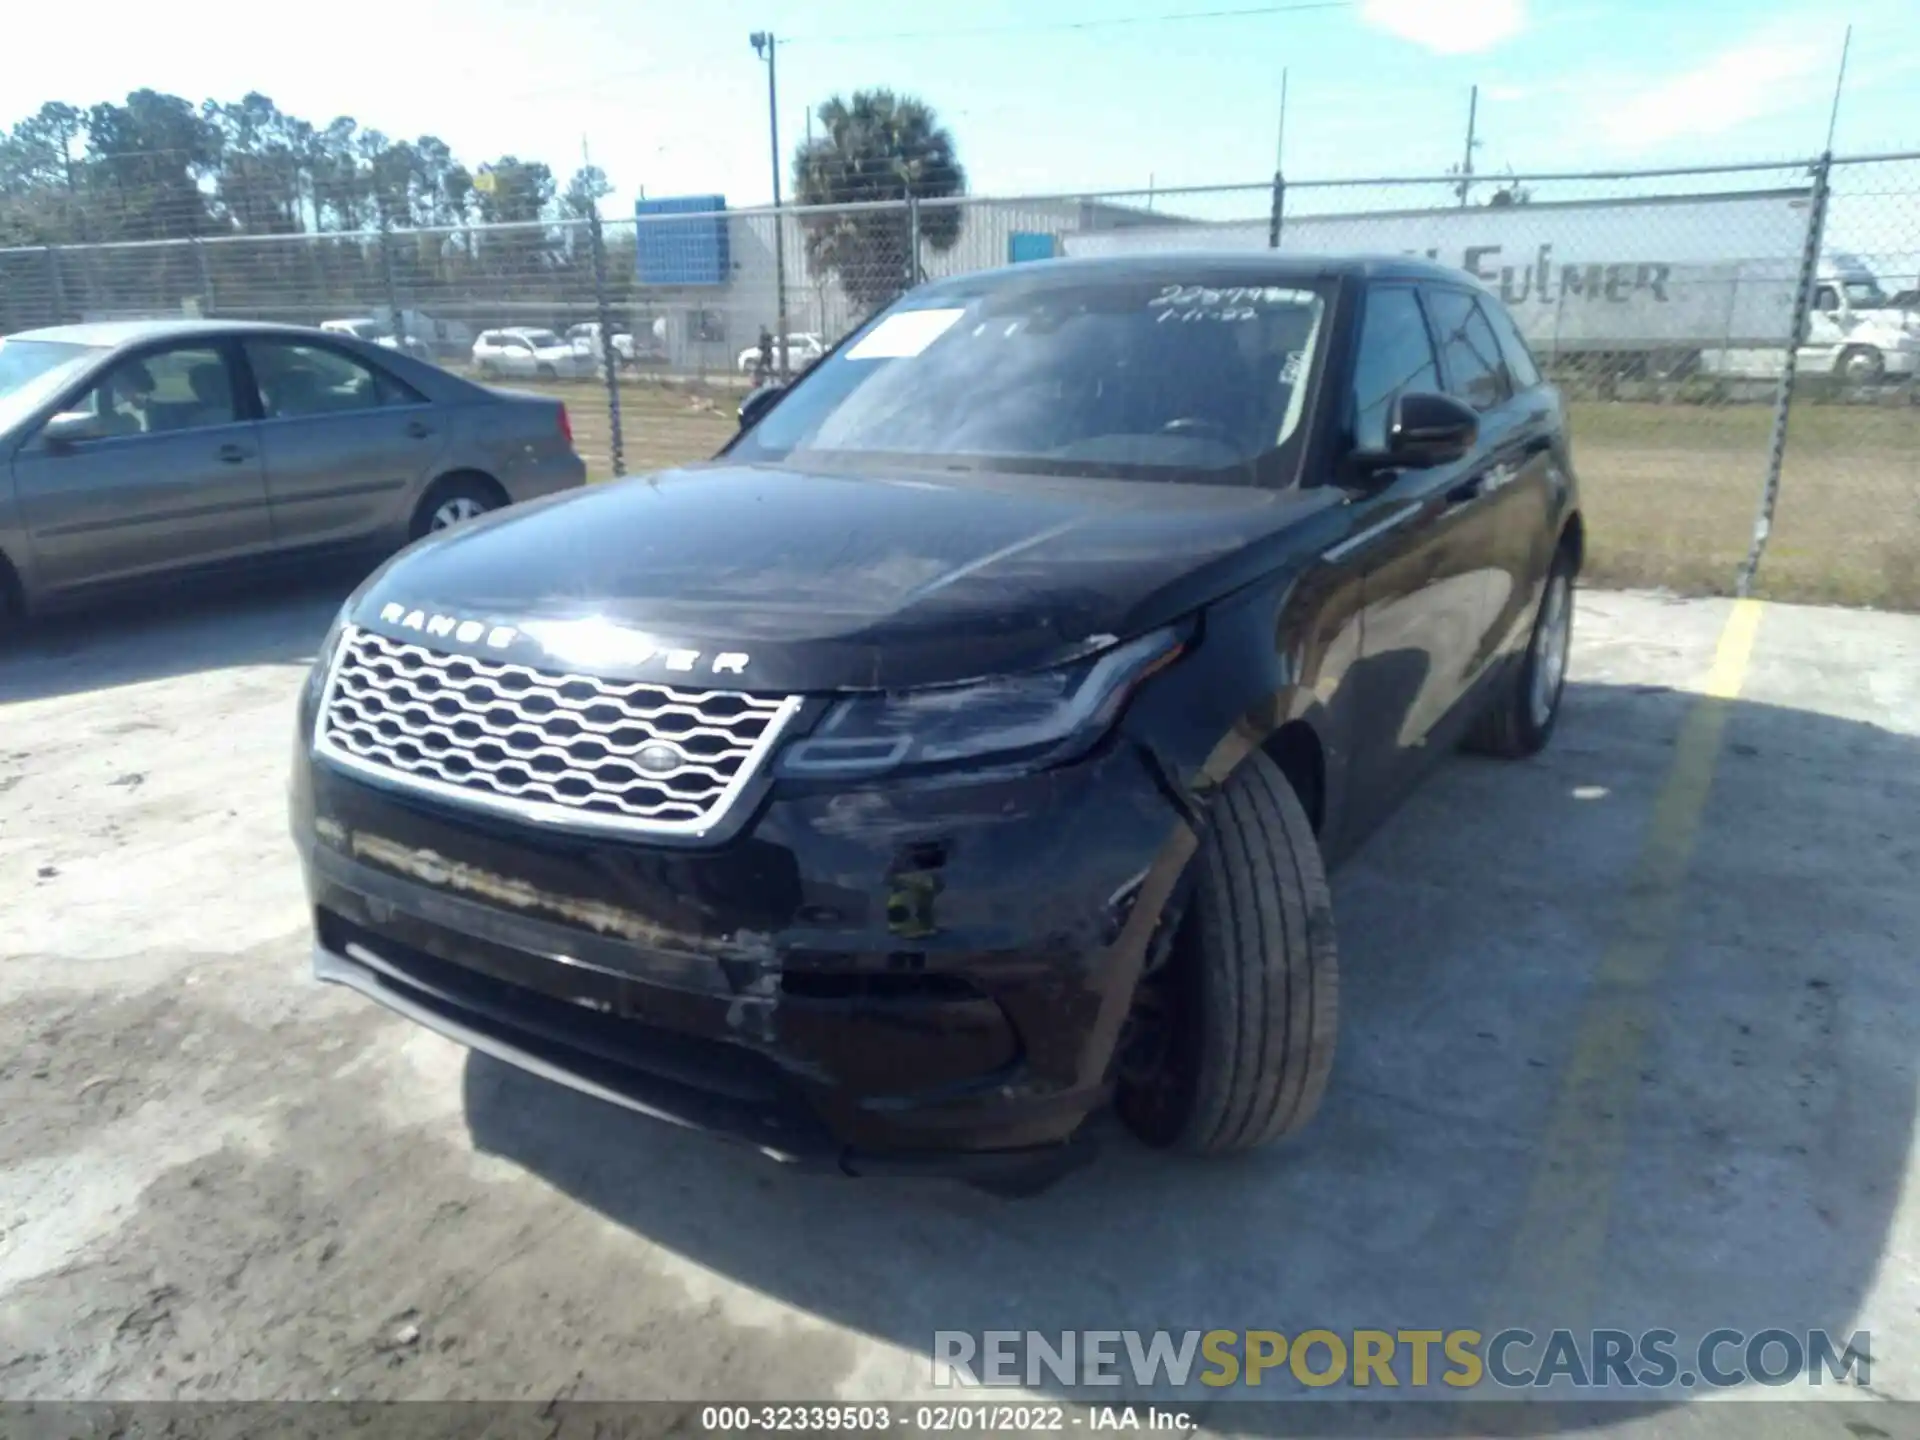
<point>633,754</point>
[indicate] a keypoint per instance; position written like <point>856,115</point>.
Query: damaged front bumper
<point>926,979</point>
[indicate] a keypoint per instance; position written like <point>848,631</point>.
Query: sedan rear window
<point>1091,375</point>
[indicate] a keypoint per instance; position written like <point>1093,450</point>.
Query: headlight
<point>1043,718</point>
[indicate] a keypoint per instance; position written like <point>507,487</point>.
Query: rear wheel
<point>1231,1036</point>
<point>1522,717</point>
<point>547,372</point>
<point>454,501</point>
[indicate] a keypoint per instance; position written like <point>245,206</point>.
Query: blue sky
<point>671,98</point>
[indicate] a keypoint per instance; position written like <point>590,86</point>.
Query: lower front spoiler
<point>518,1036</point>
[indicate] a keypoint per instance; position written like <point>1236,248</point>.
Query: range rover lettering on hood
<point>593,643</point>
<point>441,627</point>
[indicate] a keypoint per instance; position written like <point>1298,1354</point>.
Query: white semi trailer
<point>1644,286</point>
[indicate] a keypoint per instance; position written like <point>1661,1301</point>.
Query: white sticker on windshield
<point>906,334</point>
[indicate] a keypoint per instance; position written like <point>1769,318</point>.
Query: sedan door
<point>167,476</point>
<point>346,444</point>
<point>1416,537</point>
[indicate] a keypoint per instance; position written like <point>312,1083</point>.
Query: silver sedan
<point>130,450</point>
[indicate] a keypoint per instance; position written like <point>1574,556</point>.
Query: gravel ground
<point>219,1180</point>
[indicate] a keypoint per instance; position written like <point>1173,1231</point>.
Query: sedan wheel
<point>452,512</point>
<point>454,501</point>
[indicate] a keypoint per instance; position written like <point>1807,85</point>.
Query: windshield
<point>1082,376</point>
<point>32,370</point>
<point>540,339</point>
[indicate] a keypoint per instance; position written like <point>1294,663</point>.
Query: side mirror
<point>1423,430</point>
<point>1426,430</point>
<point>758,403</point>
<point>69,428</point>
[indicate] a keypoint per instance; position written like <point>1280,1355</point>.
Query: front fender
<point>1274,654</point>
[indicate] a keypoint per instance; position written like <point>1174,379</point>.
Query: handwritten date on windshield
<point>1188,303</point>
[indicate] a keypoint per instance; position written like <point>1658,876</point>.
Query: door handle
<point>1468,489</point>
<point>234,454</point>
<point>419,429</point>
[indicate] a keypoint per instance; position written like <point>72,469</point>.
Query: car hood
<point>788,580</point>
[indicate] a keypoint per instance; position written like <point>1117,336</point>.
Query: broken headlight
<point>1038,719</point>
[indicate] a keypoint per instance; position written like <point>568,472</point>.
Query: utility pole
<point>1466,164</point>
<point>766,47</point>
<point>1280,145</point>
<point>1279,204</point>
<point>1839,84</point>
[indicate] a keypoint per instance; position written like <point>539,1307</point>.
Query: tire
<point>1862,365</point>
<point>487,370</point>
<point>547,372</point>
<point>1247,999</point>
<point>452,501</point>
<point>1521,718</point>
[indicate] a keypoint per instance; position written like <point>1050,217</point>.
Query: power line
<point>1101,23</point>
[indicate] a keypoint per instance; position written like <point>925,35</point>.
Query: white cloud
<point>1776,71</point>
<point>1449,27</point>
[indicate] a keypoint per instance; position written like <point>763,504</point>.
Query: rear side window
<point>298,381</point>
<point>1513,347</point>
<point>1395,355</point>
<point>1476,370</point>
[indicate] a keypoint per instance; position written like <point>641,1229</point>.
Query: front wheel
<point>1863,365</point>
<point>1231,1036</point>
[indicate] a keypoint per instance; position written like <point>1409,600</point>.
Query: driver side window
<point>188,387</point>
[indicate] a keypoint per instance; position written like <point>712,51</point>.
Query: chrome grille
<point>543,744</point>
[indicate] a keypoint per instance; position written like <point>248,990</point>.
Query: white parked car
<point>529,353</point>
<point>802,350</point>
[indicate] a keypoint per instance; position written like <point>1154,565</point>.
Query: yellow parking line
<point>1554,1265</point>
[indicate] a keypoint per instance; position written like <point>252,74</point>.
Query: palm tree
<point>877,146</point>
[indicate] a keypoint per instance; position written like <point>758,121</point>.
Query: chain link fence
<point>1737,346</point>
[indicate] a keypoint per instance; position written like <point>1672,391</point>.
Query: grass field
<point>1670,490</point>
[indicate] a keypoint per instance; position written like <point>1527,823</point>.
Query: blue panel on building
<point>1030,245</point>
<point>690,251</point>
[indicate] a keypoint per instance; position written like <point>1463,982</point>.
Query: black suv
<point>955,755</point>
